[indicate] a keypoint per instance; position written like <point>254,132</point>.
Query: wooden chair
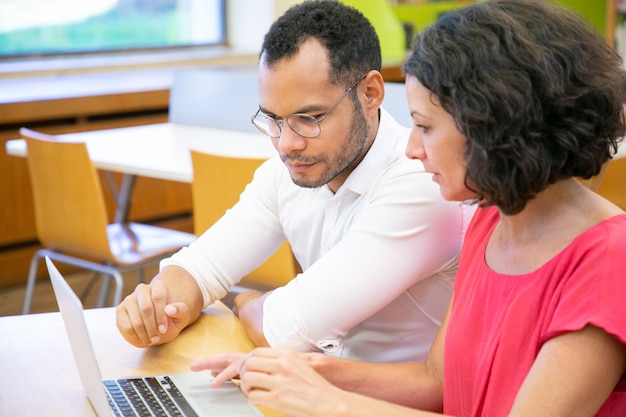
<point>71,218</point>
<point>217,183</point>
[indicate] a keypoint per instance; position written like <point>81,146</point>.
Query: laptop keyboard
<point>149,396</point>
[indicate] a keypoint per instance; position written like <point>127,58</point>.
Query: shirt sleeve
<point>403,234</point>
<point>593,292</point>
<point>230,249</point>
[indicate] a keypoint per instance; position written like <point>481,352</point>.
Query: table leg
<point>124,198</point>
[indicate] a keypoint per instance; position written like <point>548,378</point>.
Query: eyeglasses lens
<point>266,125</point>
<point>303,124</point>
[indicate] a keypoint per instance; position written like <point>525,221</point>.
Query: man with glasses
<point>377,244</point>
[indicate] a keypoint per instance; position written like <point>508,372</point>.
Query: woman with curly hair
<point>511,101</point>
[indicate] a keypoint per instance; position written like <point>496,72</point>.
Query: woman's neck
<point>523,242</point>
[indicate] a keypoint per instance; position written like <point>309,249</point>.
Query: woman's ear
<point>374,92</point>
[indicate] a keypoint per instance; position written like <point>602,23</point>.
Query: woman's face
<point>436,141</point>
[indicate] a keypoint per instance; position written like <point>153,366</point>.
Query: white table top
<point>160,150</point>
<point>39,376</point>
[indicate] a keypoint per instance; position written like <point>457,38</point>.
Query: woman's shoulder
<point>613,227</point>
<point>603,242</point>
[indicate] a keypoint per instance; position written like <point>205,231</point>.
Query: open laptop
<point>184,394</point>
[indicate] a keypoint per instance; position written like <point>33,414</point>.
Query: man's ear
<point>374,92</point>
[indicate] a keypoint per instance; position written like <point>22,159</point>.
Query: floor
<point>85,284</point>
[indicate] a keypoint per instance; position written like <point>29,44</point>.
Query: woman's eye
<point>423,127</point>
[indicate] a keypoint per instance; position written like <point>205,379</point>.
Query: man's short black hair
<point>350,39</point>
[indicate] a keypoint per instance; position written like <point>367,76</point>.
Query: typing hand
<point>149,317</point>
<point>286,381</point>
<point>223,367</point>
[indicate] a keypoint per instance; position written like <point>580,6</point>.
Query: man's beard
<point>356,140</point>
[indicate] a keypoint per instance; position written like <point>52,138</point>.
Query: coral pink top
<point>499,322</point>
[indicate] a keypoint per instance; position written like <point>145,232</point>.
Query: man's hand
<point>149,316</point>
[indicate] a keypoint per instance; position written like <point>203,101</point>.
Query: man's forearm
<point>182,288</point>
<point>249,308</point>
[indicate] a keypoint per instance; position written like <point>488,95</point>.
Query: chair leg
<point>104,290</point>
<point>32,277</point>
<point>119,287</point>
<point>106,270</point>
<point>106,284</point>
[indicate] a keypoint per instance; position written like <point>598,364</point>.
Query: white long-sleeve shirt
<point>378,257</point>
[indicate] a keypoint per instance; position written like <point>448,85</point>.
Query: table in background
<point>160,151</point>
<point>38,376</point>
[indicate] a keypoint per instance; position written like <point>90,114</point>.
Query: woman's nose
<point>415,146</point>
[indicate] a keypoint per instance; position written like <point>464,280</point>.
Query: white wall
<point>249,20</point>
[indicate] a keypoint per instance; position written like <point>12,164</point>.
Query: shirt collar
<point>391,140</point>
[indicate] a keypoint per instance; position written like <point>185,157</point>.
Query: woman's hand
<point>223,367</point>
<point>285,381</point>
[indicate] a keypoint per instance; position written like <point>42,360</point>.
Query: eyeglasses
<point>303,124</point>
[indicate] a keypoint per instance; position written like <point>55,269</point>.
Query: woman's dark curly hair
<point>534,88</point>
<point>350,39</point>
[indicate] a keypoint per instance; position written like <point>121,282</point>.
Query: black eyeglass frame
<point>281,122</point>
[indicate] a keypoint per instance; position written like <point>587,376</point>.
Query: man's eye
<point>303,118</point>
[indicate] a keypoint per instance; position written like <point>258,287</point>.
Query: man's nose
<point>289,140</point>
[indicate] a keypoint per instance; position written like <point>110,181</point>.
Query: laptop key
<point>180,400</point>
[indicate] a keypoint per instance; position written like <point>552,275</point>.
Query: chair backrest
<point>215,98</point>
<point>217,183</point>
<point>70,213</point>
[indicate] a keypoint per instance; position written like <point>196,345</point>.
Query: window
<point>50,27</point>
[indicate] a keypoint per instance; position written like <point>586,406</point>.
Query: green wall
<point>388,27</point>
<point>593,10</point>
<point>421,15</point>
<point>388,19</point>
